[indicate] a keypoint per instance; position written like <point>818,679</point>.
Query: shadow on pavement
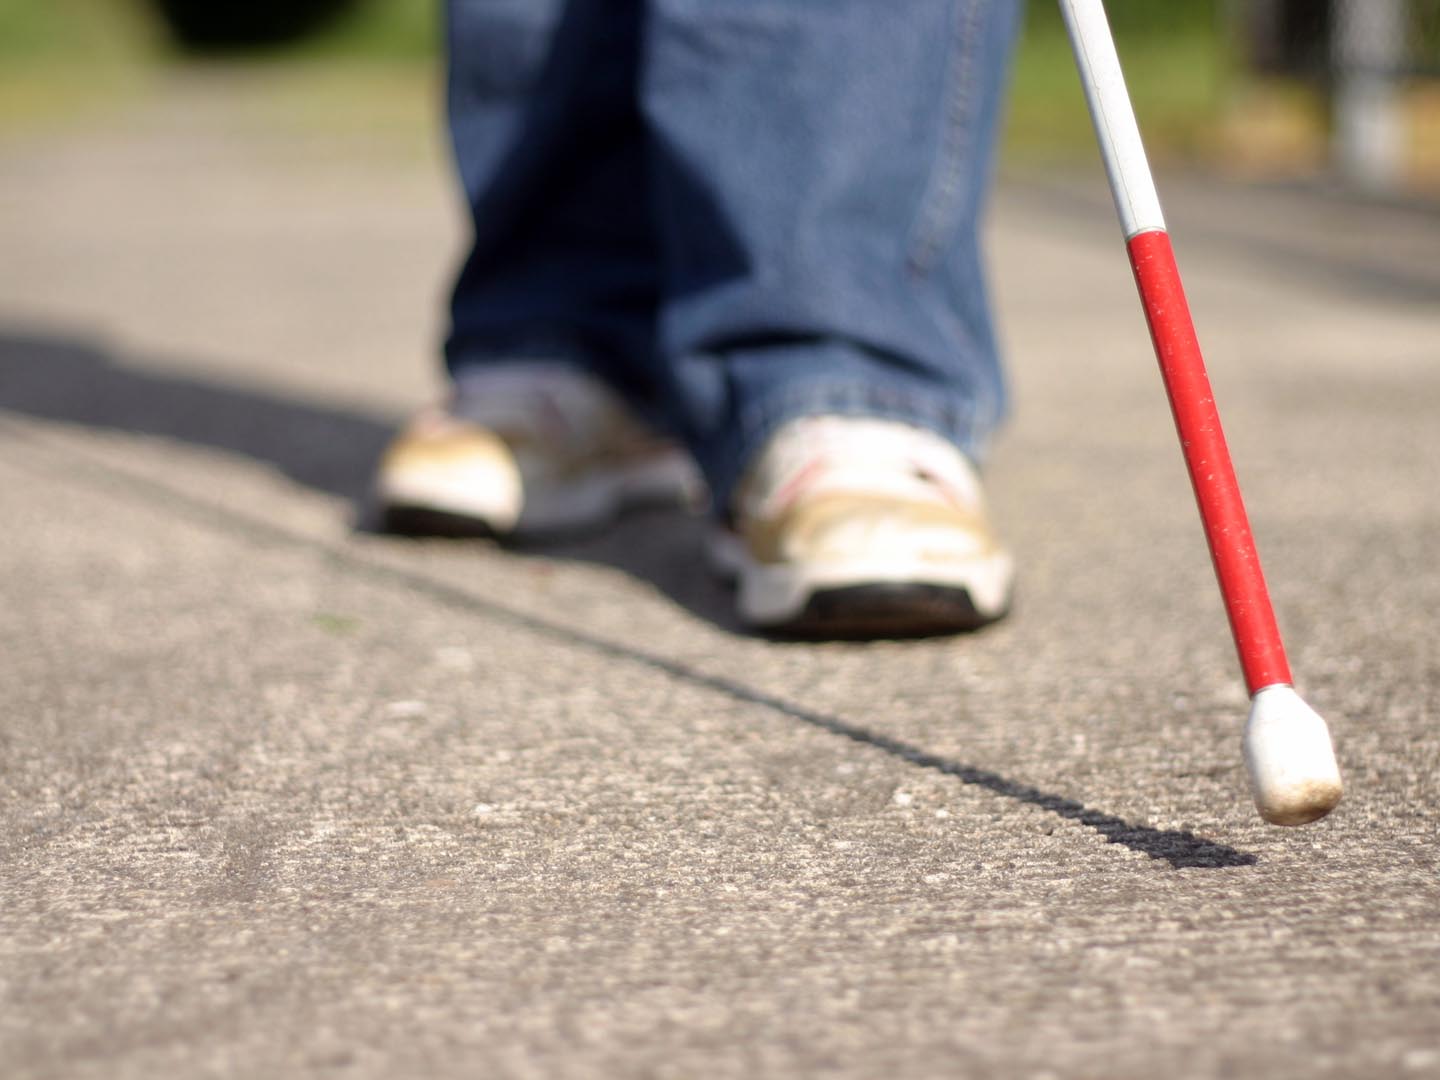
<point>80,382</point>
<point>327,449</point>
<point>333,451</point>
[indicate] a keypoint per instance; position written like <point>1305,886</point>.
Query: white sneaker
<point>525,450</point>
<point>851,527</point>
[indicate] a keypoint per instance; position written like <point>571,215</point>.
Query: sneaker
<point>849,527</point>
<point>525,450</point>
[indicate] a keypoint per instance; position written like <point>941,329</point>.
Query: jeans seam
<point>946,191</point>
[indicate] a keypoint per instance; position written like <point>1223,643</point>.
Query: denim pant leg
<point>820,167</point>
<point>551,152</point>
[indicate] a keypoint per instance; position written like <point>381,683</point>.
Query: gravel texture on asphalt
<point>280,798</point>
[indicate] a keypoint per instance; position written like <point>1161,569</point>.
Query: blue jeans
<point>738,212</point>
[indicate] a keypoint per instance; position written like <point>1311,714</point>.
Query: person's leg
<point>550,151</point>
<point>820,171</point>
<point>554,309</point>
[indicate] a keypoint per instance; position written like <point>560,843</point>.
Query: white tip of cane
<point>1293,774</point>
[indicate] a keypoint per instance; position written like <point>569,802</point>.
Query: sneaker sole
<point>885,611</point>
<point>867,600</point>
<point>412,510</point>
<point>406,519</point>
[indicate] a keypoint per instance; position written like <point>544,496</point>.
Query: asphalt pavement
<point>283,798</point>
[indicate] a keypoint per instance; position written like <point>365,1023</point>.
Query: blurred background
<point>1343,91</point>
<point>1330,91</point>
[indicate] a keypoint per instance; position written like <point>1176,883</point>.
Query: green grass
<point>60,57</point>
<point>63,61</point>
<point>76,32</point>
<point>65,58</point>
<point>1177,65</point>
<point>383,30</point>
<point>43,32</point>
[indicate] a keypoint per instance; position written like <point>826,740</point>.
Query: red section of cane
<point>1227,529</point>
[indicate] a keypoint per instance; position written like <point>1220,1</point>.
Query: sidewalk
<point>280,799</point>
